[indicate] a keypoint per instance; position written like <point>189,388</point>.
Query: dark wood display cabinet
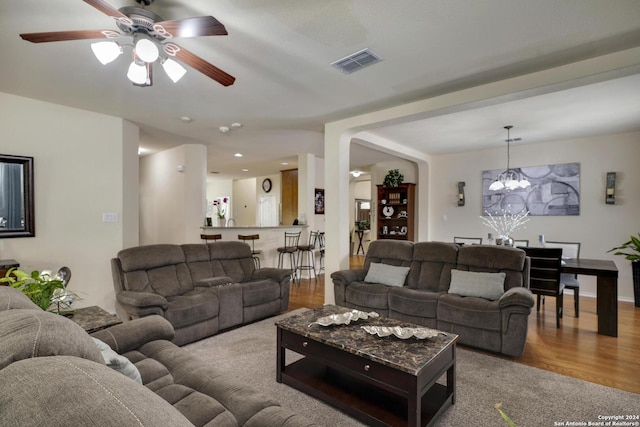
<point>396,208</point>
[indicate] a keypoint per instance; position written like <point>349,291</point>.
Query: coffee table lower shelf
<point>373,406</point>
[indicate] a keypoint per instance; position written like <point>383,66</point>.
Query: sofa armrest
<point>142,299</point>
<point>213,281</point>
<point>132,335</point>
<point>277,274</point>
<point>516,296</point>
<point>344,277</point>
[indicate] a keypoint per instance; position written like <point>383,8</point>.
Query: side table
<point>94,318</point>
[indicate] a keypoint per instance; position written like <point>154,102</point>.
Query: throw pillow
<point>117,362</point>
<point>386,274</point>
<point>477,284</point>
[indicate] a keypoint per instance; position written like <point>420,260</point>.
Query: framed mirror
<point>17,218</point>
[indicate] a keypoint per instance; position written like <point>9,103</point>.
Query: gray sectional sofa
<point>53,374</point>
<point>199,288</point>
<point>478,292</point>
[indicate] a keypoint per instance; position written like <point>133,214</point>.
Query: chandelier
<point>509,179</point>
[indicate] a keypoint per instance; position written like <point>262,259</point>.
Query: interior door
<point>268,211</point>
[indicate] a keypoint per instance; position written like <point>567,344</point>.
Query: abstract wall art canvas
<point>554,190</point>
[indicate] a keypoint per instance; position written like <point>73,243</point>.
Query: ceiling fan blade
<point>204,67</point>
<point>192,27</point>
<point>107,9</point>
<point>57,36</point>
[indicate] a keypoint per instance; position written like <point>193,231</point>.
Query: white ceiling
<point>285,90</point>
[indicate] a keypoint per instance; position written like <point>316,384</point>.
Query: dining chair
<point>520,243</point>
<point>544,276</point>
<point>254,252</point>
<point>291,241</point>
<point>570,250</point>
<point>308,251</point>
<point>214,237</point>
<point>468,240</point>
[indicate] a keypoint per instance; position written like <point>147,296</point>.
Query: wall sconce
<point>610,195</point>
<point>461,193</point>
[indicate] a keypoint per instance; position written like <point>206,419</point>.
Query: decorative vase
<point>504,240</point>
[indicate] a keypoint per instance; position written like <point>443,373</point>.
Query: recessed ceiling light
<point>186,119</point>
<point>245,170</point>
<point>284,163</point>
<point>236,125</point>
<point>223,129</point>
<point>238,155</point>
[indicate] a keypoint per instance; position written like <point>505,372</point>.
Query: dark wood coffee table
<point>380,381</point>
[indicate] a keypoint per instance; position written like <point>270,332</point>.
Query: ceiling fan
<point>152,41</point>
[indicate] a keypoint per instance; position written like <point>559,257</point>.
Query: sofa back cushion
<point>78,392</point>
<point>197,257</point>
<point>392,252</point>
<point>159,269</point>
<point>231,259</point>
<point>11,298</point>
<point>27,333</point>
<point>432,265</point>
<point>495,259</point>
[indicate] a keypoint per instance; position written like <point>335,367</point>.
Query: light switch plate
<point>109,217</point>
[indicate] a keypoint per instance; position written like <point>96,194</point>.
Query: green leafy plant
<point>41,288</point>
<point>393,178</point>
<point>632,245</point>
<point>363,224</point>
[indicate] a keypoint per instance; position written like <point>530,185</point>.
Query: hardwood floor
<point>575,349</point>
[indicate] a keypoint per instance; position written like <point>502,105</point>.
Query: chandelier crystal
<point>509,179</point>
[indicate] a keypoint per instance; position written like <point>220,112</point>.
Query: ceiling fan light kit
<point>150,36</point>
<point>106,52</point>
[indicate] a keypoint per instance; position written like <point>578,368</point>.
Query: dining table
<point>606,274</point>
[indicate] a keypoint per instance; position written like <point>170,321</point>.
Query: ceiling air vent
<point>356,61</point>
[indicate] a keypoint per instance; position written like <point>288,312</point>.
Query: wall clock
<point>266,185</point>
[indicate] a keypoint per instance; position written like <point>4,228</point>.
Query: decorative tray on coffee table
<point>344,318</point>
<point>400,332</point>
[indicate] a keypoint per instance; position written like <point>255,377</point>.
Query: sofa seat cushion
<point>27,333</point>
<point>414,302</point>
<point>259,292</point>
<point>192,307</point>
<point>469,311</point>
<point>369,295</point>
<point>68,391</point>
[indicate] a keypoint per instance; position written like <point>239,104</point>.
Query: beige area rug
<point>530,396</point>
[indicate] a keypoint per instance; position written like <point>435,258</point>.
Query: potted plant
<point>363,224</point>
<point>632,248</point>
<point>45,291</point>
<point>393,178</point>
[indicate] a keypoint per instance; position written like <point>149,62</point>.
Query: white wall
<point>599,226</point>
<point>172,202</point>
<point>81,160</point>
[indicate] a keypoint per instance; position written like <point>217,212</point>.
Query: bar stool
<point>254,252</point>
<point>308,251</point>
<point>290,247</point>
<point>214,237</point>
<point>321,247</point>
